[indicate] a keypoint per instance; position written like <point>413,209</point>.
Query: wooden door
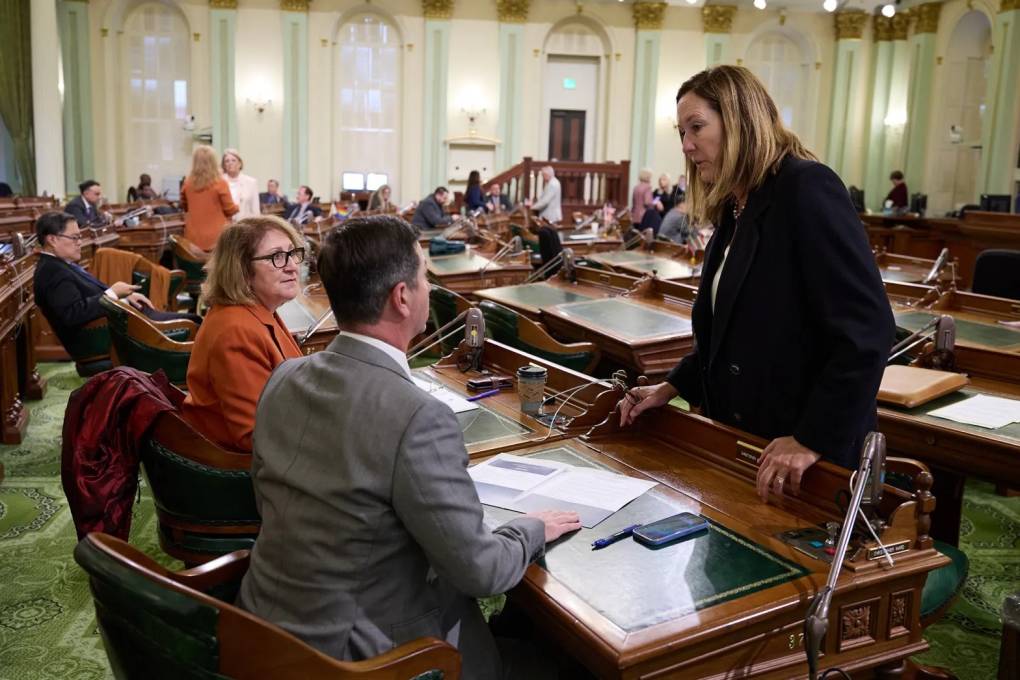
<point>566,135</point>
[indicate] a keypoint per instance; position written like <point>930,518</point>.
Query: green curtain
<point>16,87</point>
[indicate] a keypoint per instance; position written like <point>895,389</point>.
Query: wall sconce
<point>473,115</point>
<point>260,105</point>
<point>895,119</point>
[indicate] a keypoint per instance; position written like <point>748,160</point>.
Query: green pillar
<point>922,60</point>
<point>511,95</point>
<point>73,22</point>
<point>888,106</point>
<point>295,94</point>
<point>437,57</point>
<point>717,22</point>
<point>848,72</point>
<point>998,174</point>
<point>222,27</point>
<point>648,22</point>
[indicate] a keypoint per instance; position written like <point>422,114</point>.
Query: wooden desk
<point>302,312</point>
<point>151,238</point>
<point>584,243</point>
<point>903,268</point>
<point>469,271</point>
<point>586,284</point>
<point>18,375</point>
<point>730,602</point>
<point>640,262</point>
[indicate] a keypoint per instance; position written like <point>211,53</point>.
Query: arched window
<point>779,63</point>
<point>155,68</point>
<point>368,91</point>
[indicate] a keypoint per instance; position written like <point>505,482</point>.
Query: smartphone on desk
<point>670,529</point>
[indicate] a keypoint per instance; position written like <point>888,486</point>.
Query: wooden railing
<point>585,186</point>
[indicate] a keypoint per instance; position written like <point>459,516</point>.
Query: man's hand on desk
<point>784,459</point>
<point>637,400</point>
<point>557,522</point>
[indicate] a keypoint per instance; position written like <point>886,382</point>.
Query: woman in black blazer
<point>792,325</point>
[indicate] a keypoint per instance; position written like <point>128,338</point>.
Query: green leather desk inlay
<point>986,334</point>
<point>483,425</point>
<point>535,295</point>
<point>462,263</point>
<point>663,267</point>
<point>634,586</point>
<point>627,319</point>
<point>1009,434</point>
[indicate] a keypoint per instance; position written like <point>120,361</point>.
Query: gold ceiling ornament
<point>513,11</point>
<point>850,24</point>
<point>900,25</point>
<point>882,27</point>
<point>294,5</point>
<point>928,17</point>
<point>437,9</point>
<point>718,18</point>
<point>1009,5</point>
<point>648,15</point>
<point>222,4</point>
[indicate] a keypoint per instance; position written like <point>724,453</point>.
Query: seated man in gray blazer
<point>372,531</point>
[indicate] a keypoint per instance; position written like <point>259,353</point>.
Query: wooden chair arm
<point>532,333</point>
<point>224,569</point>
<point>412,659</point>
<point>151,333</point>
<point>176,324</point>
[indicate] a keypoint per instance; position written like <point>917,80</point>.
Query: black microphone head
<point>873,457</point>
<point>474,328</point>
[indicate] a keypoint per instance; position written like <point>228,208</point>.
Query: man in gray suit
<point>430,213</point>
<point>548,204</point>
<point>372,531</point>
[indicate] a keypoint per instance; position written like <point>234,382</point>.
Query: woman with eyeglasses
<point>253,270</point>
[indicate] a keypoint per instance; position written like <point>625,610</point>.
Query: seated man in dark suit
<point>430,213</point>
<point>272,195</point>
<point>372,532</point>
<point>85,206</point>
<point>304,210</point>
<point>67,295</point>
<point>497,202</point>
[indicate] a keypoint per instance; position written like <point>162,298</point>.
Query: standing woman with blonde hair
<point>206,200</point>
<point>792,325</point>
<point>244,189</point>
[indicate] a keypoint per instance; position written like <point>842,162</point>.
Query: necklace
<point>738,208</point>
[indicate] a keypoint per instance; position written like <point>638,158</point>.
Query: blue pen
<point>613,538</point>
<point>483,395</point>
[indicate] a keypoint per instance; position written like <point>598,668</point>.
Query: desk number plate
<point>878,553</point>
<point>748,454</point>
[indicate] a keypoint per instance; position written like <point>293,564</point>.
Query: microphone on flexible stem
<point>936,269</point>
<point>474,336</point>
<point>568,265</point>
<point>945,334</point>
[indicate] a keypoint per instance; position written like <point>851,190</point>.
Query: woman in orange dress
<point>253,271</point>
<point>205,198</point>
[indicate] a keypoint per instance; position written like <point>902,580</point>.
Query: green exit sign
<point>569,84</point>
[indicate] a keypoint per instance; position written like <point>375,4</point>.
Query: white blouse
<point>245,192</point>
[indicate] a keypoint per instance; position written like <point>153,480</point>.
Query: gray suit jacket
<point>372,531</point>
<point>548,204</point>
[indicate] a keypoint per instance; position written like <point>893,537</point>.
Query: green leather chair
<point>205,501</point>
<point>141,278</point>
<point>148,345</point>
<point>159,624</point>
<point>444,306</point>
<point>190,259</point>
<point>90,349</point>
<point>510,328</point>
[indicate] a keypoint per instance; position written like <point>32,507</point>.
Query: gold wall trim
<point>927,16</point>
<point>437,9</point>
<point>222,4</point>
<point>718,18</point>
<point>850,25</point>
<point>648,15</point>
<point>513,11</point>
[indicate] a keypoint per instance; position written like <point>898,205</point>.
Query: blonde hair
<point>754,140</point>
<point>230,152</point>
<point>230,269</point>
<point>644,175</point>
<point>204,170</point>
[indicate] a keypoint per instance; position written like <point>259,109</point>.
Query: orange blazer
<point>208,211</point>
<point>236,349</point>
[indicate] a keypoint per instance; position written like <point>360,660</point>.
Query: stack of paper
<point>455,401</point>
<point>532,484</point>
<point>982,410</point>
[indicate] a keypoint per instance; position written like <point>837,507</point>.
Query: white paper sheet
<point>516,472</point>
<point>982,410</point>
<point>455,401</point>
<point>595,488</point>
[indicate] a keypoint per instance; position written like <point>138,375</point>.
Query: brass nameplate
<point>878,553</point>
<point>749,454</point>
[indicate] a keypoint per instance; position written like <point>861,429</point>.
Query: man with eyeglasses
<point>66,294</point>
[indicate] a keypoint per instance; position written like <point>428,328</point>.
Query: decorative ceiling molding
<point>850,24</point>
<point>882,27</point>
<point>927,16</point>
<point>222,4</point>
<point>513,11</point>
<point>900,25</point>
<point>1009,5</point>
<point>437,9</point>
<point>718,18</point>
<point>294,5</point>
<point>648,15</point>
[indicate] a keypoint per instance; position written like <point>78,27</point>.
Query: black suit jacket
<point>295,208</point>
<point>82,211</point>
<point>67,298</point>
<point>802,326</point>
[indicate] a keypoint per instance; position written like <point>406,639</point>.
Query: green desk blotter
<point>461,263</point>
<point>986,334</point>
<point>535,295</point>
<point>627,319</point>
<point>1010,433</point>
<point>663,267</point>
<point>483,425</point>
<point>634,586</point>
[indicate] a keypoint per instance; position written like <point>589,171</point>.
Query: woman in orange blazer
<point>252,271</point>
<point>205,198</point>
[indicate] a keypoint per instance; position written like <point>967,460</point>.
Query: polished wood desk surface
<point>151,237</point>
<point>731,601</point>
<point>474,269</point>
<point>19,379</point>
<point>662,263</point>
<point>903,268</point>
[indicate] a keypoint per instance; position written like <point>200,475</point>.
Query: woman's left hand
<point>784,459</point>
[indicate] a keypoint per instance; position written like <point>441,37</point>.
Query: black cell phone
<point>490,382</point>
<point>670,529</point>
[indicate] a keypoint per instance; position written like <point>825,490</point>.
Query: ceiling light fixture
<point>692,2</point>
<point>760,4</point>
<point>888,10</point>
<point>830,5</point>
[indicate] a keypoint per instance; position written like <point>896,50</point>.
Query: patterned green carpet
<point>47,624</point>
